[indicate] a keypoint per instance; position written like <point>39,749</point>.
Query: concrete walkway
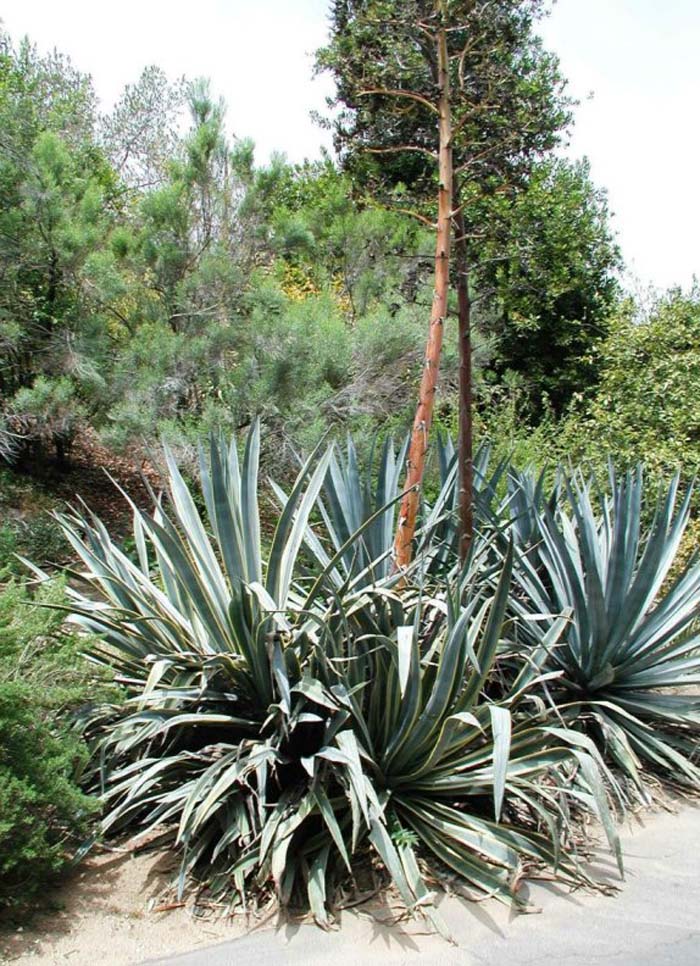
<point>653,921</point>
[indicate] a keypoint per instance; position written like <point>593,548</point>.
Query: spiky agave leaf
<point>632,640</point>
<point>352,497</point>
<point>442,545</point>
<point>353,546</point>
<point>189,596</point>
<point>527,496</point>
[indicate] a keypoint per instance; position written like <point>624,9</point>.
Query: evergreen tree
<point>57,203</point>
<point>458,92</point>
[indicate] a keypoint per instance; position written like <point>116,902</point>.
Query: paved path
<point>653,921</point>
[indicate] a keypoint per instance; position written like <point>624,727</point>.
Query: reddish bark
<point>403,543</point>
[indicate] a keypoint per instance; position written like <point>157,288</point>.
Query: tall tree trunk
<point>466,424</point>
<point>403,543</point>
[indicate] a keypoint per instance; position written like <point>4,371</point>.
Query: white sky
<point>639,58</point>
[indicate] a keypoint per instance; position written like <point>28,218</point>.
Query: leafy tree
<point>547,282</point>
<point>368,253</point>
<point>186,223</point>
<point>431,42</point>
<point>179,260</point>
<point>140,135</point>
<point>646,405</point>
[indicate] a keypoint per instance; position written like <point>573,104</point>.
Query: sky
<point>637,58</point>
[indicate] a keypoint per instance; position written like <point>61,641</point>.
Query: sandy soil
<point>112,911</point>
<point>106,912</point>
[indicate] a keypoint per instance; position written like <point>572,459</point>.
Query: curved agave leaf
<point>190,597</point>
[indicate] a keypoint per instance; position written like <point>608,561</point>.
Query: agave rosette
<point>279,727</point>
<point>630,659</point>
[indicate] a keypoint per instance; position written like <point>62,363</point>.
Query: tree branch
<point>415,214</point>
<point>403,147</point>
<point>411,95</point>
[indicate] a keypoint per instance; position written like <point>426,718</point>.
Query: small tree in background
<point>140,136</point>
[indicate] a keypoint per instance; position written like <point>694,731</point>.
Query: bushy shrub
<point>38,538</point>
<point>8,549</point>
<point>45,683</point>
<point>47,415</point>
<point>38,650</point>
<point>43,813</point>
<point>647,403</point>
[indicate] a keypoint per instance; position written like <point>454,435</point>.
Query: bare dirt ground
<point>107,912</point>
<point>651,921</point>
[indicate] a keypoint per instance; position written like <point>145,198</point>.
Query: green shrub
<point>44,682</point>
<point>36,648</point>
<point>37,538</point>
<point>27,527</point>
<point>8,549</point>
<point>43,813</point>
<point>47,415</point>
<point>646,405</point>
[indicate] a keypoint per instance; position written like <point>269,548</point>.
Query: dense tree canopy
<point>646,405</point>
<point>156,281</point>
<point>546,283</point>
<point>508,93</point>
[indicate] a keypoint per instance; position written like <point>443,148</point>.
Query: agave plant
<point>358,506</point>
<point>473,783</point>
<point>527,496</point>
<point>279,736</point>
<point>488,484</point>
<point>507,501</point>
<point>632,639</point>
